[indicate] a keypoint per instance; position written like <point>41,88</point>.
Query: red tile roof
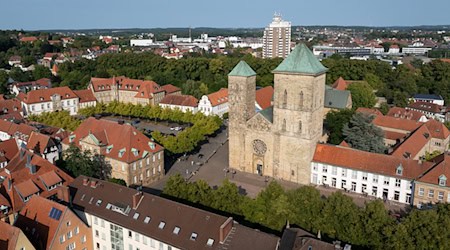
<point>28,39</point>
<point>396,123</point>
<point>369,111</point>
<point>413,144</point>
<point>368,162</point>
<point>39,142</point>
<point>10,105</point>
<point>180,100</point>
<point>218,97</point>
<point>8,149</point>
<point>394,135</point>
<point>44,95</point>
<point>437,129</point>
<point>143,89</point>
<point>404,114</point>
<point>340,84</point>
<point>22,131</point>
<point>85,95</point>
<point>169,88</point>
<point>9,236</point>
<point>442,168</point>
<point>51,178</point>
<point>264,97</point>
<point>344,144</point>
<point>36,214</point>
<point>44,82</point>
<point>425,106</point>
<point>24,182</point>
<point>122,137</point>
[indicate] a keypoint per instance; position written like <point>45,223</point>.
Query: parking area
<point>149,126</point>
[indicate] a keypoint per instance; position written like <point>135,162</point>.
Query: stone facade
<point>280,141</point>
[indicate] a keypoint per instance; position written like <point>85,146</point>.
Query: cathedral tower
<point>241,103</point>
<point>298,113</point>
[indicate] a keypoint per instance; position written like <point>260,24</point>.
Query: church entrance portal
<point>259,169</point>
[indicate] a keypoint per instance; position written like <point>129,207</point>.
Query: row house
<point>21,132</point>
<point>126,90</point>
<point>430,110</point>
<point>123,218</point>
<point>382,176</point>
<point>25,87</point>
<point>44,146</point>
<point>132,156</point>
<point>215,103</point>
<point>28,174</point>
<point>433,186</point>
<point>50,100</point>
<point>184,103</point>
<point>50,225</point>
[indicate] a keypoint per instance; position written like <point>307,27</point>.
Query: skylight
<point>176,230</point>
<point>136,216</point>
<point>147,220</point>
<point>161,225</point>
<point>210,242</point>
<point>194,236</point>
<point>55,213</point>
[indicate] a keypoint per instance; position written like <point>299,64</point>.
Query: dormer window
<point>135,151</point>
<point>442,180</point>
<point>399,170</point>
<point>67,95</point>
<point>121,152</point>
<point>109,148</point>
<point>41,98</point>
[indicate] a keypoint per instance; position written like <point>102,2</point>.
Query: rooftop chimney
<point>137,198</point>
<point>225,229</point>
<point>93,184</point>
<point>63,193</point>
<point>85,181</point>
<point>121,122</point>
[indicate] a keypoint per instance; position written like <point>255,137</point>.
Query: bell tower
<point>241,104</point>
<point>298,113</point>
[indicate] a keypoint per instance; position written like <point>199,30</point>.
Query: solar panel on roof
<point>55,213</point>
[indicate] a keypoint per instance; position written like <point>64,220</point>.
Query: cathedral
<point>278,141</point>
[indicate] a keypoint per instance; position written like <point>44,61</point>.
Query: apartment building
<point>123,218</point>
<point>50,100</point>
<point>183,103</point>
<point>277,38</point>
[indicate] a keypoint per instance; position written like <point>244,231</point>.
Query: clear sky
<point>87,14</point>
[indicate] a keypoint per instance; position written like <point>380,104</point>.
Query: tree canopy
<point>362,134</point>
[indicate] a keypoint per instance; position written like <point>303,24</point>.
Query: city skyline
<point>143,14</point>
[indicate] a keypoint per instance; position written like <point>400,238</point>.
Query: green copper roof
<point>242,69</point>
<point>301,60</point>
<point>267,113</point>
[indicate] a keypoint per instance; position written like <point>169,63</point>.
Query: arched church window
<point>285,99</point>
<point>284,125</point>
<point>301,100</point>
<point>300,127</point>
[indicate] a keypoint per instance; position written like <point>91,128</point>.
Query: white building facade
<point>277,38</point>
<point>395,188</point>
<point>215,103</point>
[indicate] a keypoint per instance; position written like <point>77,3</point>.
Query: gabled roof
<point>39,141</point>
<point>369,162</point>
<point>119,137</point>
<point>148,211</point>
<point>301,61</point>
<point>437,129</point>
<point>218,97</point>
<point>369,111</point>
<point>336,99</point>
<point>9,236</point>
<point>180,100</point>
<point>10,105</point>
<point>45,95</point>
<point>396,123</point>
<point>242,69</point>
<point>340,84</point>
<point>25,182</point>
<point>426,106</point>
<point>38,214</point>
<point>85,95</point>
<point>405,114</point>
<point>264,97</point>
<point>8,149</point>
<point>169,88</point>
<point>413,144</point>
<point>267,113</point>
<point>143,89</point>
<point>440,170</point>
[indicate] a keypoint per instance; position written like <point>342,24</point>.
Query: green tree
<point>384,108</point>
<point>362,134</point>
<point>28,60</point>
<point>362,95</point>
<point>78,162</point>
<point>41,71</point>
<point>305,202</point>
<point>334,123</point>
